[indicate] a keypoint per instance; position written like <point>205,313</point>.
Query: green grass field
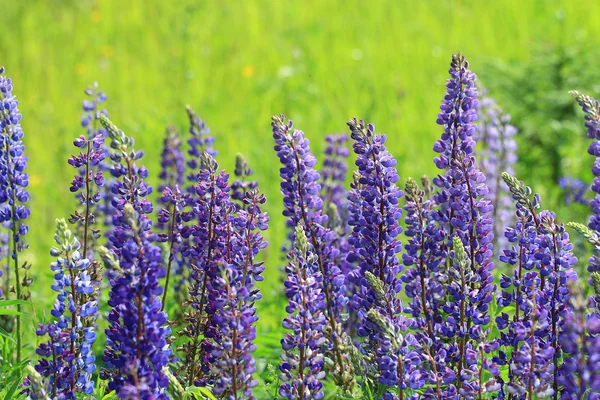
<point>239,62</point>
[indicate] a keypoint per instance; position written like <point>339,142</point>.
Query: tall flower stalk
<point>13,188</point>
<point>465,212</point>
<point>374,216</point>
<point>67,361</point>
<point>496,136</point>
<point>304,206</point>
<point>302,358</point>
<point>137,348</point>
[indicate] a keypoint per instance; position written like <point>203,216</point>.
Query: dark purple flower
<point>172,163</point>
<point>66,360</point>
<point>199,142</point>
<point>137,349</point>
<point>13,185</point>
<point>497,155</point>
<point>302,358</point>
<point>303,206</point>
<point>575,190</point>
<point>241,185</point>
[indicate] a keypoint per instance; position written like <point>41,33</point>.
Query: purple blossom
<point>66,360</point>
<point>172,163</point>
<point>137,348</point>
<point>333,175</point>
<point>210,240</point>
<point>580,342</point>
<point>591,109</point>
<point>303,206</point>
<point>13,185</point>
<point>575,190</point>
<point>498,154</point>
<point>464,212</point>
<point>302,357</point>
<point>199,142</point>
<point>373,215</point>
<point>235,293</point>
<point>241,185</point>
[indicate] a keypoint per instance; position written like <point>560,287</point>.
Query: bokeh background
<point>319,62</point>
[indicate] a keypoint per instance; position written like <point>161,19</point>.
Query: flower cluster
<point>333,175</point>
<point>13,185</point>
<point>199,142</point>
<point>66,360</point>
<point>304,206</point>
<point>172,162</point>
<point>575,190</point>
<point>580,342</point>
<point>241,185</point>
<point>591,108</point>
<point>496,136</point>
<point>465,212</point>
<point>137,348</point>
<point>374,215</point>
<point>302,357</point>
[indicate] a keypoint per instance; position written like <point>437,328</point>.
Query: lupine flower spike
<point>465,212</point>
<point>67,362</point>
<point>304,206</point>
<point>13,188</point>
<point>374,216</point>
<point>302,357</point>
<point>496,137</point>
<point>137,348</point>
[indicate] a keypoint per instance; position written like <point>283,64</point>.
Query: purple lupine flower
<point>580,342</point>
<point>303,357</point>
<point>199,142</point>
<point>210,240</point>
<point>172,162</point>
<point>544,248</point>
<point>173,217</point>
<point>137,348</point>
<point>241,185</point>
<point>66,360</point>
<point>236,294</point>
<point>87,185</point>
<point>303,206</point>
<point>591,109</point>
<point>333,175</point>
<point>92,108</point>
<point>13,185</point>
<point>498,154</point>
<point>464,212</point>
<point>373,215</point>
<point>575,190</point>
<point>424,283</point>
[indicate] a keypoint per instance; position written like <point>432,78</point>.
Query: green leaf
<point>199,391</point>
<point>10,312</point>
<point>7,303</point>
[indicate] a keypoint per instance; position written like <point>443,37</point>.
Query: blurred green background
<point>319,62</point>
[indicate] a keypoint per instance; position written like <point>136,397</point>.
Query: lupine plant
<point>13,193</point>
<point>365,316</point>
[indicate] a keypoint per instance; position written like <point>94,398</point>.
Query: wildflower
<point>303,206</point>
<point>67,361</point>
<point>575,190</point>
<point>498,154</point>
<point>580,342</point>
<point>199,142</point>
<point>137,348</point>
<point>13,186</point>
<point>333,175</point>
<point>464,213</point>
<point>302,358</point>
<point>242,184</point>
<point>235,292</point>
<point>172,164</point>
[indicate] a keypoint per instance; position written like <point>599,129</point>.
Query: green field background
<point>239,62</point>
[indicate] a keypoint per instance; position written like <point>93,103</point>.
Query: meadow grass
<point>239,62</point>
